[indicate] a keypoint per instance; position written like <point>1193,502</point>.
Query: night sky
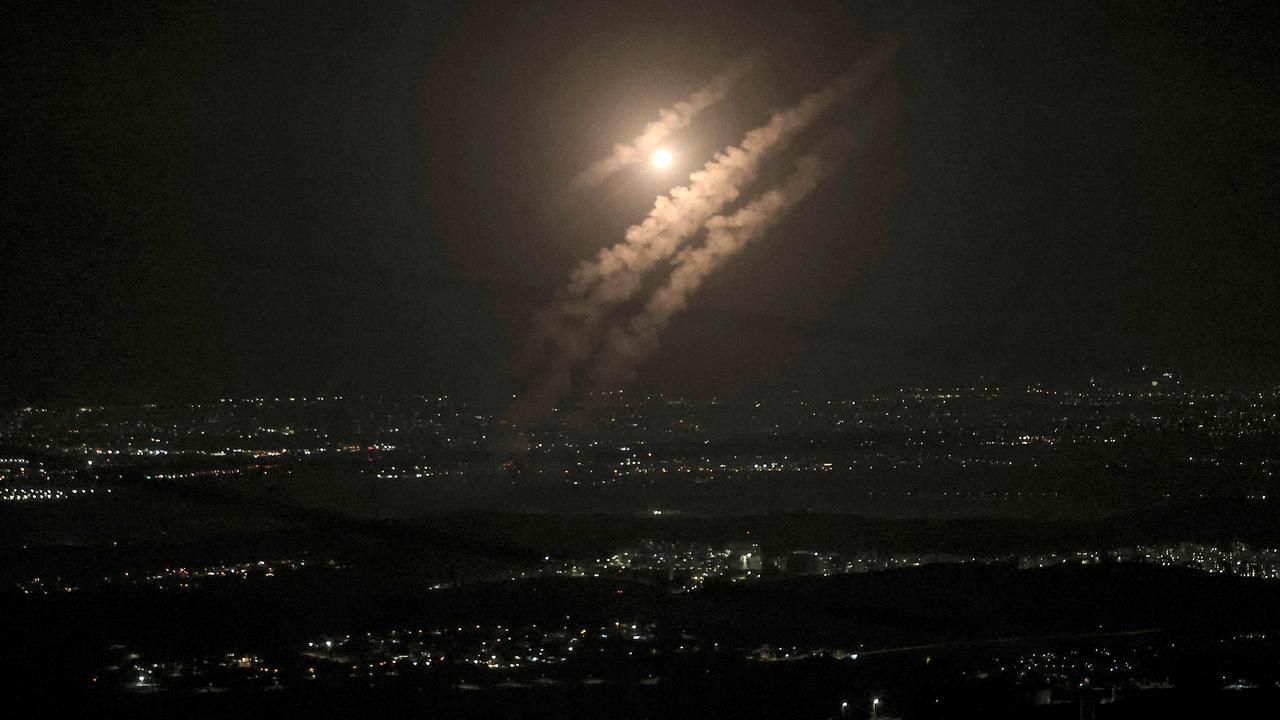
<point>238,198</point>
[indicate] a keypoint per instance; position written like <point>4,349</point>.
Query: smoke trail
<point>566,332</point>
<point>615,273</point>
<point>656,132</point>
<point>627,345</point>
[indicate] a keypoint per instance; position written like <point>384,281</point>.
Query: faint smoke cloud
<point>627,345</point>
<point>656,132</point>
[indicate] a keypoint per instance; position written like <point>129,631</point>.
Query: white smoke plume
<point>614,275</point>
<point>656,132</point>
<point>629,344</point>
<point>567,333</point>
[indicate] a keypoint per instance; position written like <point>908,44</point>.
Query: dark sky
<point>236,198</point>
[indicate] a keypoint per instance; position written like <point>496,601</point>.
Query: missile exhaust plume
<point>656,132</point>
<point>614,275</point>
<point>567,334</point>
<point>627,345</point>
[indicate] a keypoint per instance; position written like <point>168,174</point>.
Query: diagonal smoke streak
<point>626,346</point>
<point>614,276</point>
<point>566,333</point>
<point>656,132</point>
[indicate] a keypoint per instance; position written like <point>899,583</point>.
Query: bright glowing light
<point>660,158</point>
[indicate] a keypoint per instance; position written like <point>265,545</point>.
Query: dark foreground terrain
<point>255,607</point>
